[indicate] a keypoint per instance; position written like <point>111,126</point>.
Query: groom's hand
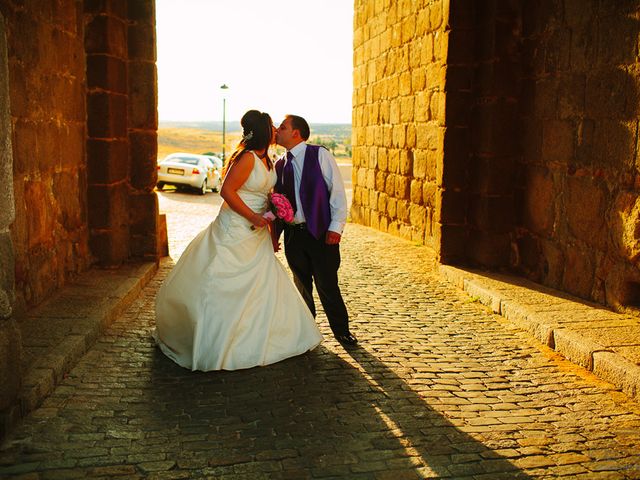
<point>332,238</point>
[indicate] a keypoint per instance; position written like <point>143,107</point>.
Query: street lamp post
<point>223,87</point>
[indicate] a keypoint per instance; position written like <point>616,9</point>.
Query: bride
<point>229,303</point>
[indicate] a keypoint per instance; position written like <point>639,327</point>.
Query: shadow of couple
<point>322,415</point>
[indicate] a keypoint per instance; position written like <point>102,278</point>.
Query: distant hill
<point>339,130</point>
<point>202,137</point>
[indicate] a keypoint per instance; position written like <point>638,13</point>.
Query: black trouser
<point>313,261</point>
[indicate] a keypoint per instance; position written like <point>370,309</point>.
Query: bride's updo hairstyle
<point>257,132</point>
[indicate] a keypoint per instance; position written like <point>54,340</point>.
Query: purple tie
<point>288,184</point>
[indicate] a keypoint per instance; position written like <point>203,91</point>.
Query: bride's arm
<point>235,178</point>
<point>274,238</point>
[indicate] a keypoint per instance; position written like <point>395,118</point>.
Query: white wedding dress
<point>229,303</point>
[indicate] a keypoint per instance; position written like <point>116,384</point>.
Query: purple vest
<point>314,194</point>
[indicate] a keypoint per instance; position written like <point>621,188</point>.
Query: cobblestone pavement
<point>439,388</point>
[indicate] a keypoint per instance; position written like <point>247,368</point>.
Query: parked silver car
<point>200,172</point>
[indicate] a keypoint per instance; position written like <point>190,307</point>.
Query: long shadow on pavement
<point>313,416</point>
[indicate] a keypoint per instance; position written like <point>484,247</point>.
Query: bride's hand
<point>258,221</point>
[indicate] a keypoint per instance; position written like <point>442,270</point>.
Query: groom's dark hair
<point>300,124</point>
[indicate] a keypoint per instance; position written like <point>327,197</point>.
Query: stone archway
<point>10,344</point>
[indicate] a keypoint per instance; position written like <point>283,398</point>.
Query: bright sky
<point>281,56</point>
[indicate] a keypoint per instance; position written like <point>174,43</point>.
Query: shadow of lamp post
<point>224,87</point>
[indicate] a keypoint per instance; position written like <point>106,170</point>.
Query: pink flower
<point>280,206</point>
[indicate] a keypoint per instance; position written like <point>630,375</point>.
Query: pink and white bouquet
<point>278,207</point>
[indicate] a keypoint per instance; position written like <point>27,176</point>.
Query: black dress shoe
<point>347,340</point>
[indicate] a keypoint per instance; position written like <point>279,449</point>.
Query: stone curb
<point>556,319</point>
<point>123,287</point>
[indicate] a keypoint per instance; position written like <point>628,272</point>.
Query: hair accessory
<point>247,136</point>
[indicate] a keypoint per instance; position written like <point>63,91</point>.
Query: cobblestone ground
<point>440,388</point>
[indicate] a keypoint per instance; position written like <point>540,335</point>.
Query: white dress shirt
<point>333,179</point>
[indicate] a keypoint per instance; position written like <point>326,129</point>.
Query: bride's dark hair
<point>257,132</point>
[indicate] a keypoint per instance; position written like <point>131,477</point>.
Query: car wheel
<point>160,185</point>
<point>217,187</point>
<point>203,188</point>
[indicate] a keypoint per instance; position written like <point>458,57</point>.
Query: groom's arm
<point>337,195</point>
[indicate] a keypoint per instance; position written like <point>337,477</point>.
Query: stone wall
<point>398,117</point>
<point>580,225</point>
<point>82,89</point>
<point>10,341</point>
<point>48,119</point>
<point>78,152</point>
<point>503,134</point>
<point>122,128</point>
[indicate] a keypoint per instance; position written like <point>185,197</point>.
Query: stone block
<point>437,104</point>
<point>451,242</point>
<point>427,136</point>
<point>110,247</point>
<point>381,178</point>
<point>458,108</point>
<point>405,84</point>
<point>106,34</point>
<point>117,9</point>
<point>451,207</point>
<point>416,192</point>
<point>382,203</point>
<point>421,106</point>
<point>68,192</point>
<point>411,136</point>
<point>489,249</point>
<point>493,128</point>
<point>618,36</point>
<point>394,160</point>
<point>575,347</point>
<point>494,214</point>
<point>371,179</point>
<point>434,166</point>
<point>402,187</point>
<point>417,216</point>
<point>143,96</point>
<point>402,211</point>
<point>144,213</point>
<point>10,362</point>
<point>436,15</point>
<point>107,73</point>
<point>406,162</point>
<point>544,98</point>
<point>455,158</point>
<point>586,208</point>
<point>143,154</point>
<point>107,115</point>
<point>625,225</point>
<point>619,371</point>
<point>607,91</point>
<point>399,136</point>
<point>407,109</point>
<point>571,96</point>
<point>539,203</point>
<point>578,277</point>
<point>427,52</point>
<point>392,207</point>
<point>108,206</point>
<point>614,145</point>
<point>107,161</point>
<point>558,138</point>
<point>429,192</point>
<point>531,140</point>
<point>39,222</point>
<point>141,42</point>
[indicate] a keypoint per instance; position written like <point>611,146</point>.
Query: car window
<point>188,161</point>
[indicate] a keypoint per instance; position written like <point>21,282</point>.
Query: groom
<point>308,175</point>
